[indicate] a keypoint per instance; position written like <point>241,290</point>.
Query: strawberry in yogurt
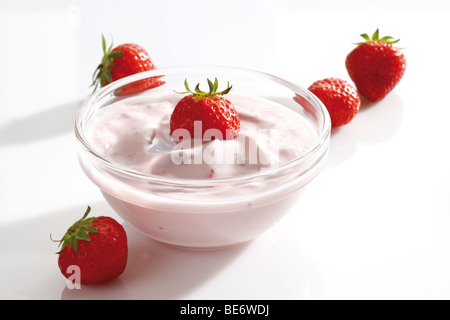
<point>214,112</point>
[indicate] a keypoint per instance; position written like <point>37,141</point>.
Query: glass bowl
<point>204,213</point>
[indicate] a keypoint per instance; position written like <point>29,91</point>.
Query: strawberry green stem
<point>376,37</point>
<point>213,86</point>
<point>78,231</point>
<point>102,74</point>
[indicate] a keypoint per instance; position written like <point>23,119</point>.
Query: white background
<point>375,224</point>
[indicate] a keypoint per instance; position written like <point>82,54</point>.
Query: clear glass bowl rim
<point>323,116</point>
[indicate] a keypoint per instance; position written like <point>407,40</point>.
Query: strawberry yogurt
<point>200,193</point>
<point>136,134</point>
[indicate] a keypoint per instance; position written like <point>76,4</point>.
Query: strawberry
<point>339,97</point>
<point>98,246</point>
<point>376,66</point>
<point>122,61</point>
<point>211,108</point>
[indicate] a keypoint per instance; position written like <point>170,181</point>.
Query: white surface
<point>373,225</point>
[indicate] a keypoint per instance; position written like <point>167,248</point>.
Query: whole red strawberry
<point>122,61</point>
<point>97,246</point>
<point>339,97</point>
<point>376,66</point>
<point>211,108</point>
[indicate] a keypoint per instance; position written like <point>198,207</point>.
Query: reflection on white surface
<point>158,271</point>
<point>374,224</point>
<point>374,124</point>
<point>43,124</point>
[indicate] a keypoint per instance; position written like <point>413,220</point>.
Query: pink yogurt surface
<point>135,133</point>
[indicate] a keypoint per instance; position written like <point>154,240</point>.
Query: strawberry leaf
<point>376,37</point>
<point>74,243</point>
<point>216,85</point>
<point>228,89</point>
<point>103,44</point>
<point>80,230</point>
<point>115,54</point>
<point>186,85</point>
<point>89,228</point>
<point>213,86</point>
<point>107,75</point>
<point>197,89</point>
<point>102,74</point>
<point>365,36</point>
<point>82,235</point>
